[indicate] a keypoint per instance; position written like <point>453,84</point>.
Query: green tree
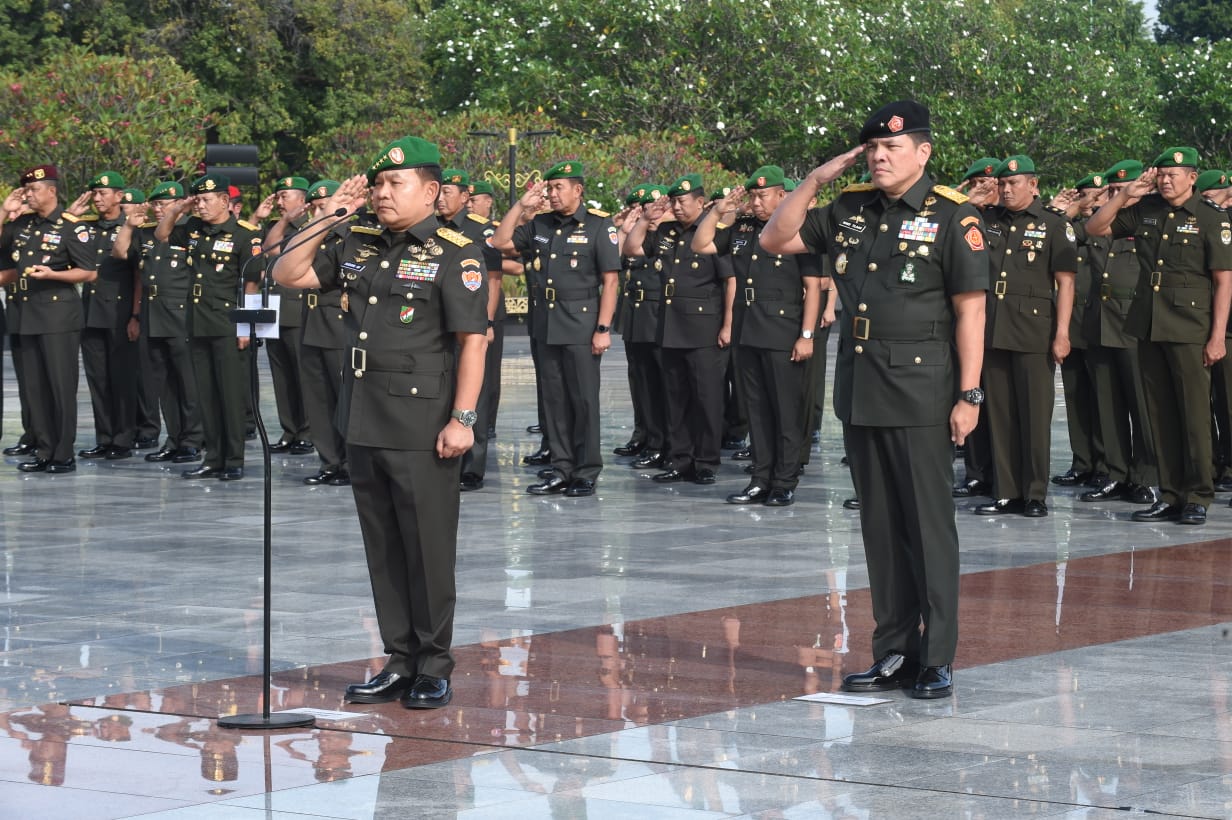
<point>1183,21</point>
<point>1197,107</point>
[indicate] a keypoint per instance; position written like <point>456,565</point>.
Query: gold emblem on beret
<point>761,182</point>
<point>396,154</point>
<point>656,194</point>
<point>103,179</point>
<point>39,173</point>
<point>1013,165</point>
<point>895,124</point>
<point>128,197</point>
<point>288,182</point>
<point>1121,174</point>
<point>988,169</point>
<point>1098,180</point>
<point>568,168</point>
<point>1223,179</point>
<point>1177,156</point>
<point>210,185</point>
<point>685,185</point>
<point>321,190</point>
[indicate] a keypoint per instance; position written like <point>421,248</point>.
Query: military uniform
<point>643,296</point>
<point>50,324</point>
<point>897,265</point>
<point>1177,249</point>
<point>12,314</point>
<point>1027,249</point>
<point>1082,419</point>
<point>286,367</point>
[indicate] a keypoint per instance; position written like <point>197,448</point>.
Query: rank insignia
<point>406,314</point>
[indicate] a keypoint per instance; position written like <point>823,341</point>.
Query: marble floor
<point>637,654</point>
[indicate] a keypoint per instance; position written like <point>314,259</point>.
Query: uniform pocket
<point>417,385</point>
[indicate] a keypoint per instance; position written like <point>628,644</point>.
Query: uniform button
<point>1013,229</point>
<point>919,360</point>
<point>676,261</point>
<point>749,280</point>
<point>359,374</point>
<point>753,257</point>
<point>1008,251</point>
<point>1172,215</point>
<point>1105,276</point>
<point>667,301</point>
<point>1035,311</point>
<point>1111,254</point>
<point>200,275</point>
<point>414,391</point>
<point>549,281</point>
<point>862,307</point>
<point>681,242</point>
<point>583,308</point>
<point>551,305</point>
<point>363,334</point>
<point>883,227</point>
<point>372,300</point>
<point>558,231</point>
<point>694,266</point>
<point>553,256</point>
<point>859,348</point>
<point>151,277</point>
<point>872,267</point>
<point>1004,274</point>
<point>780,312</point>
<point>1159,261</point>
<point>1079,258</point>
<point>385,263</point>
<point>1165,236</point>
<point>671,281</point>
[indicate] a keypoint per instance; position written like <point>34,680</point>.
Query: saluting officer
<point>1032,250</point>
<point>47,253</point>
<point>219,250</point>
<point>414,292</point>
<point>910,264</point>
<point>1180,315</point>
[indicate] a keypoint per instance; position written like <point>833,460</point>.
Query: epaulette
<point>482,220</point>
<point>450,235</point>
<point>597,212</point>
<point>950,194</point>
<point>74,218</point>
<point>246,225</point>
<point>364,229</point>
<point>859,188</point>
<point>148,225</point>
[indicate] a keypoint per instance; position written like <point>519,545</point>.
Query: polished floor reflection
<point>631,655</point>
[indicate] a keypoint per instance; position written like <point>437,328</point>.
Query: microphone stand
<point>252,317</point>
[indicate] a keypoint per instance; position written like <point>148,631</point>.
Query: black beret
<point>902,117</point>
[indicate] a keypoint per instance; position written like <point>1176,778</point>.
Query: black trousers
<point>903,477</point>
<point>110,363</point>
<point>148,400</point>
<point>408,514</point>
<point>171,378</point>
<point>646,389</point>
<point>776,391</point>
<point>285,372</point>
<point>1082,417</point>
<point>1019,407</point>
<point>693,386</point>
<point>475,460</point>
<point>1178,395</point>
<point>1129,448</point>
<point>321,370</point>
<point>49,368</point>
<point>223,379</point>
<point>570,378</point>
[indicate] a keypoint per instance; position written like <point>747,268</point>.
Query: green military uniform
<point>1027,250</point>
<point>12,316</point>
<point>50,322</point>
<point>1210,182</point>
<point>149,423</point>
<point>1178,248</point>
<point>217,256</point>
<point>643,300</point>
<point>897,265</point>
<point>406,294</point>
<point>286,367</point>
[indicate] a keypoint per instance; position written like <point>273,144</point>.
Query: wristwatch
<point>806,334</point>
<point>602,328</point>
<point>466,417</point>
<point>973,396</point>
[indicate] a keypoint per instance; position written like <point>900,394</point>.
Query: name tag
<point>542,240</point>
<point>919,230</point>
<point>1150,220</point>
<point>355,267</point>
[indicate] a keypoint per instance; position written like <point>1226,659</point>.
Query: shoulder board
<point>148,225</point>
<point>74,218</point>
<point>450,235</point>
<point>597,212</point>
<point>859,188</point>
<point>246,225</point>
<point>482,220</point>
<point>949,193</point>
<point>364,229</point>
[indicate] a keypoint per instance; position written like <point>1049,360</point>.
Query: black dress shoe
<point>119,453</point>
<point>580,488</point>
<point>302,448</point>
<point>744,454</point>
<point>21,448</point>
<point>703,476</point>
<point>97,451</point>
<point>280,446</point>
<point>538,458</point>
<point>630,448</point>
<point>552,486</point>
<point>383,688</point>
<point>1223,484</point>
<point>748,469</point>
<point>1140,494</point>
<point>186,455</point>
<point>815,437</point>
<point>846,462</point>
<point>752,494</point>
<point>202,472</point>
<point>470,481</point>
<point>1004,506</point>
<point>69,465</point>
<point>732,443</point>
<point>341,479</point>
<point>321,477</point>
<point>780,497</point>
<point>145,443</point>
<point>648,459</point>
<point>971,487</point>
<point>894,671</point>
<point>165,454</point>
<point>546,473</point>
<point>851,504</point>
<point>1071,477</point>
<point>671,476</point>
<point>933,682</point>
<point>39,465</point>
<point>231,474</point>
<point>428,693</point>
<point>1035,509</point>
<point>1191,514</point>
<point>535,430</point>
<point>1110,491</point>
<point>1097,480</point>
<point>1159,511</point>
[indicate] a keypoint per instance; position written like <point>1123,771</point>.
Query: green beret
<point>1127,170</point>
<point>1091,181</point>
<point>210,184</point>
<point>767,176</point>
<point>1181,157</point>
<point>456,176</point>
<point>108,179</point>
<point>1212,181</point>
<point>902,117</point>
<point>167,190</point>
<point>687,184</point>
<point>789,185</point>
<point>322,189</point>
<point>982,167</point>
<point>291,184</point>
<point>635,196</point>
<point>568,169</point>
<point>1015,165</point>
<point>134,196</point>
<point>408,152</point>
<point>720,193</point>
<point>482,187</point>
<point>654,192</point>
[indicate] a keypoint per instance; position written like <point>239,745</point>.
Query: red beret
<point>40,173</point>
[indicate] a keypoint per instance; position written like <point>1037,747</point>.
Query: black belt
<point>396,361</point>
<point>1002,288</point>
<point>1113,292</point>
<point>670,290</point>
<point>552,294</point>
<point>892,331</point>
<point>1178,280</point>
<point>752,295</point>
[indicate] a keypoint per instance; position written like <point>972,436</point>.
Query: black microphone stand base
<point>278,720</point>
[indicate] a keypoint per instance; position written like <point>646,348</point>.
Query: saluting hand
<point>264,209</point>
<point>81,204</point>
<point>1141,186</point>
<point>350,195</point>
<point>828,172</point>
<point>532,201</point>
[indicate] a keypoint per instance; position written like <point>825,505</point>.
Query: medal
<point>345,302</point>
